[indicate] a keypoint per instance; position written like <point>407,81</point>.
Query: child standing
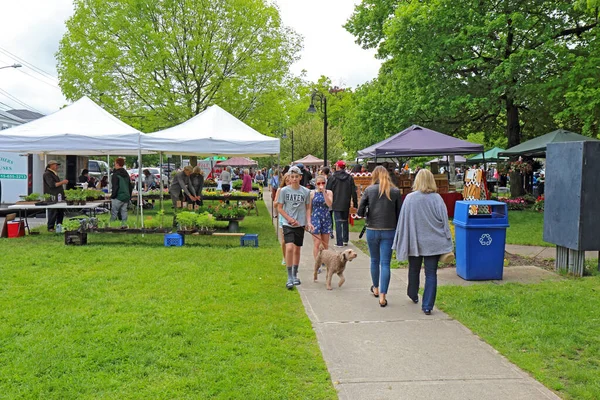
<point>293,204</point>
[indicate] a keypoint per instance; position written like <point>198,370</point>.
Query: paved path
<point>397,352</point>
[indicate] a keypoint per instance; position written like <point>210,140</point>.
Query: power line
<point>54,85</point>
<point>16,100</point>
<point>38,70</point>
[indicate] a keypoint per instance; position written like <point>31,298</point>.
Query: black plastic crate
<point>75,238</point>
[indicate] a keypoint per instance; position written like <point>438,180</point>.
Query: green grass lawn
<point>125,317</point>
<point>526,228</point>
<point>551,329</point>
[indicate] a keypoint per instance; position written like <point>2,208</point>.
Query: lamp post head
<point>311,108</point>
<point>12,66</point>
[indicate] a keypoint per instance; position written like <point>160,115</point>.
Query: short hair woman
<point>422,236</point>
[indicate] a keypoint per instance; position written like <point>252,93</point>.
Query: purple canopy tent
<point>419,141</point>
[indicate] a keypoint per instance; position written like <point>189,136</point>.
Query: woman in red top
<point>246,182</point>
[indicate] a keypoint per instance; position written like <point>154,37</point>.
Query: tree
<point>308,139</point>
<point>156,64</point>
<point>474,65</point>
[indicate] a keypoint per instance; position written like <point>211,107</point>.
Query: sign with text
<point>13,176</point>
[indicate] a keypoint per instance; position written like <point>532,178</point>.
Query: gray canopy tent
<point>536,147</point>
<point>419,141</point>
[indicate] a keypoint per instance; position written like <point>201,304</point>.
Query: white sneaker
<point>283,262</point>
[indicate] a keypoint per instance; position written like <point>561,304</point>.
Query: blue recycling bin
<point>480,240</point>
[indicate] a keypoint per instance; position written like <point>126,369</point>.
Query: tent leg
<point>140,187</point>
<point>160,185</point>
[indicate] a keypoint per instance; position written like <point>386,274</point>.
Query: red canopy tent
<point>309,160</point>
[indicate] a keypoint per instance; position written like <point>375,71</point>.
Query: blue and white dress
<point>320,218</point>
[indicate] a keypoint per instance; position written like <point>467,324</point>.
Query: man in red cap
<point>344,190</point>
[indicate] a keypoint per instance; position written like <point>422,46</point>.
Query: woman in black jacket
<point>380,204</point>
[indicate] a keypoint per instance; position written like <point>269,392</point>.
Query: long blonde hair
<point>424,182</point>
<point>381,176</point>
<point>282,180</point>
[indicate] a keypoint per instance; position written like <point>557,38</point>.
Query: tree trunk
<point>516,184</point>
<point>513,127</point>
<point>452,169</point>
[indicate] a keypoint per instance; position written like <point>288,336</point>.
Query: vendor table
<point>23,208</point>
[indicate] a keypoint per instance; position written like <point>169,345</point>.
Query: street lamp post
<point>284,136</point>
<point>12,66</point>
<point>312,109</point>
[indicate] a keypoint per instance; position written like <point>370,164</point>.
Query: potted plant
<point>205,223</point>
<point>75,232</point>
<point>71,196</point>
<point>186,220</point>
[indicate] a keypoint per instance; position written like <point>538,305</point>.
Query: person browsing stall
<point>197,184</point>
<point>181,182</point>
<point>294,203</point>
<point>53,185</point>
<point>121,192</point>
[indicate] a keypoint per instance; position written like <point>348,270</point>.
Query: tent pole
<point>162,171</point>
<point>272,211</point>
<point>108,162</point>
<point>140,173</point>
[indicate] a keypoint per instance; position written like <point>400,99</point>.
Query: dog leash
<point>315,236</point>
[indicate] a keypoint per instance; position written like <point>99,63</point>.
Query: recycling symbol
<point>485,239</point>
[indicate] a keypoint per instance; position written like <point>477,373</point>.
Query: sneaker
<point>331,235</point>
<point>345,244</point>
<point>283,262</point>
<point>427,312</point>
<point>296,281</point>
<point>338,245</point>
<point>289,284</point>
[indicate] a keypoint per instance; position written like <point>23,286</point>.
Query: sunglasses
<point>320,183</point>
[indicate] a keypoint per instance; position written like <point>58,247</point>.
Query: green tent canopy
<point>489,156</point>
<point>536,147</point>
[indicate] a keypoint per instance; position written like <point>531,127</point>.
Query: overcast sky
<point>32,29</point>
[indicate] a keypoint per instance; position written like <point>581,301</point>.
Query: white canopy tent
<point>82,128</point>
<point>212,132</point>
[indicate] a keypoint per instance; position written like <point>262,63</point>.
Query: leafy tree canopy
<point>472,66</point>
<point>156,64</point>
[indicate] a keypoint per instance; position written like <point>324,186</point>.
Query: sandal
<point>373,291</point>
<point>383,304</point>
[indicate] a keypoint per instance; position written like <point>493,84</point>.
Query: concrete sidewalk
<point>397,352</point>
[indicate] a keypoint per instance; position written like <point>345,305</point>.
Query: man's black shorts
<point>293,235</point>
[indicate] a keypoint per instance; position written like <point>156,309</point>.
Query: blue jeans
<point>341,227</point>
<point>414,271</point>
<point>380,247</point>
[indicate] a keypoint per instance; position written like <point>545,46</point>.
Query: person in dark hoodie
<point>121,192</point>
<point>342,185</point>
<point>306,176</point>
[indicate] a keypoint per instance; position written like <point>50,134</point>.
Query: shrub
<point>517,204</point>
